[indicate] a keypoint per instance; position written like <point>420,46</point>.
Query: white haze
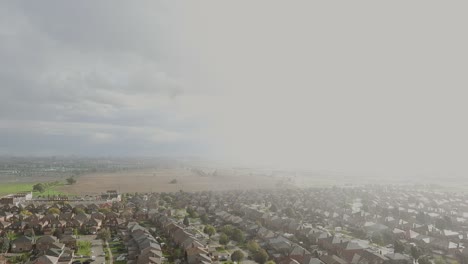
<point>343,86</point>
<point>355,87</point>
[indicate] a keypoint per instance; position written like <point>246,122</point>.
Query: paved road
<point>96,249</point>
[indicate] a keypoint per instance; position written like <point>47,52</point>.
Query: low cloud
<point>85,73</point>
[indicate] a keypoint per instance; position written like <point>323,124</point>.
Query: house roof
<point>46,239</point>
<point>46,260</point>
<point>311,260</point>
<point>23,239</point>
<point>397,256</point>
<point>327,259</point>
<point>298,250</point>
<point>353,245</point>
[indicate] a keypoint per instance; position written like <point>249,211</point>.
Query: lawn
<point>9,188</point>
<point>117,247</point>
<point>84,248</point>
<point>12,235</point>
<point>221,249</point>
<point>50,188</point>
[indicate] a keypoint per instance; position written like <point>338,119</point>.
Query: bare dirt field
<point>159,181</point>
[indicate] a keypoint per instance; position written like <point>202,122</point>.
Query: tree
<point>377,238</point>
<point>78,210</point>
<point>270,262</point>
<point>398,247</point>
<point>261,256</point>
<point>189,210</point>
<point>424,260</point>
<point>421,217</point>
<point>177,253</point>
<point>289,212</point>
<point>204,218</point>
<point>20,258</point>
<point>253,246</point>
<point>227,229</point>
<point>10,235</point>
<point>415,252</point>
<point>5,245</point>
<point>25,213</point>
<point>71,180</point>
<point>104,234</point>
<point>440,223</point>
<point>75,232</point>
<point>39,188</point>
<point>439,260</point>
<point>223,239</point>
<point>237,256</point>
<point>186,221</point>
<point>448,221</point>
<point>54,210</point>
<point>238,235</point>
<point>387,237</point>
<point>194,215</point>
<point>273,208</point>
<point>209,230</point>
<point>104,210</point>
<point>258,222</point>
<point>56,232</point>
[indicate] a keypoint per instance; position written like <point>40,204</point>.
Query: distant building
<point>16,198</point>
<point>111,195</point>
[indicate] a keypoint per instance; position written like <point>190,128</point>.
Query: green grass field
<point>10,188</point>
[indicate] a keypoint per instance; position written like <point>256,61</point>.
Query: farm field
<point>160,181</point>
<point>188,179</point>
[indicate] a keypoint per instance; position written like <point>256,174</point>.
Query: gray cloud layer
<point>90,78</point>
<point>368,86</point>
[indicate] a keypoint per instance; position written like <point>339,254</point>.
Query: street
<point>96,249</point>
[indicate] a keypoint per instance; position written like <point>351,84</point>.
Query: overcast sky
<point>344,86</point>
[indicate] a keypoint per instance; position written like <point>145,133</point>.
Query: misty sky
<point>343,86</point>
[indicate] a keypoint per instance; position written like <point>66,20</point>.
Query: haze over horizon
<point>367,87</point>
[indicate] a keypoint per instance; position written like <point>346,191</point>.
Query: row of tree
<point>43,186</point>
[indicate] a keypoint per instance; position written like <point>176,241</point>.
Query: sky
<point>359,87</point>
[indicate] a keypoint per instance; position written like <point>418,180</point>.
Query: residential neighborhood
<point>355,225</point>
<point>233,132</point>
